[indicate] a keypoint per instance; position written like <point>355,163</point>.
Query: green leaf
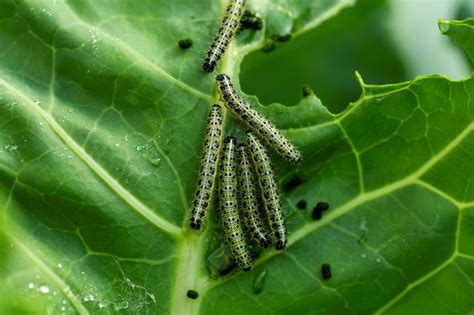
<point>102,117</point>
<point>320,58</point>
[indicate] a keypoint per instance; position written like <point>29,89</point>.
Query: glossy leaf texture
<point>101,123</point>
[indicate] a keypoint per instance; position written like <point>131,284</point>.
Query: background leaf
<point>101,121</point>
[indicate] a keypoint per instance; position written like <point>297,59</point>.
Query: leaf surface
<point>102,118</point>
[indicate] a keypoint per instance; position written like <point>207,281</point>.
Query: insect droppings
<point>318,210</point>
<point>251,21</point>
<point>302,204</point>
<point>306,90</point>
<point>326,271</point>
<point>192,294</point>
<point>185,43</point>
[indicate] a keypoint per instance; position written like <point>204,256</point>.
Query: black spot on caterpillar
<point>207,172</point>
<point>185,43</point>
<point>255,121</point>
<point>271,198</point>
<point>192,294</point>
<point>229,208</point>
<point>229,26</point>
<point>318,210</point>
<point>248,198</point>
<point>326,271</point>
<point>250,21</point>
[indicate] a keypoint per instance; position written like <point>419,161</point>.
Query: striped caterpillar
<point>228,27</point>
<point>271,199</point>
<point>255,121</point>
<point>229,208</point>
<point>207,172</point>
<point>248,197</point>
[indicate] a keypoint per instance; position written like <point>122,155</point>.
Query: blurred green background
<point>386,41</point>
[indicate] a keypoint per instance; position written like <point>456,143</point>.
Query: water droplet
<point>103,304</point>
<point>117,145</point>
<point>444,26</point>
<point>363,225</point>
<point>44,289</point>
<point>378,260</point>
<point>31,285</point>
<point>60,265</point>
<point>82,273</point>
<point>88,297</point>
<point>123,305</point>
<point>64,301</point>
<point>259,282</point>
<point>363,255</point>
<point>155,162</point>
<point>63,308</point>
<point>11,147</point>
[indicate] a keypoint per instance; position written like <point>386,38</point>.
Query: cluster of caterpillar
<point>241,170</point>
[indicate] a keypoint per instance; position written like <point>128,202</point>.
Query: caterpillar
<point>229,26</point>
<point>207,172</point>
<point>229,209</point>
<point>248,197</point>
<point>271,198</point>
<point>255,121</point>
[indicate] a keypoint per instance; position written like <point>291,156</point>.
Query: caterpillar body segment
<point>229,209</point>
<point>209,162</point>
<point>271,198</point>
<point>229,26</point>
<point>248,199</point>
